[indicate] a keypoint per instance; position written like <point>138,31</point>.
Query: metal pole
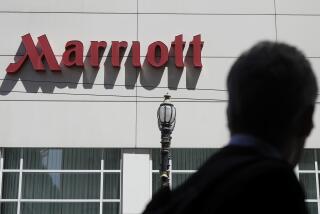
<point>165,158</point>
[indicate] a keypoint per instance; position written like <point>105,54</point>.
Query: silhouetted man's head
<point>272,92</point>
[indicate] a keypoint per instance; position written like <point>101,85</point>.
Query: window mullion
<point>20,186</point>
<point>317,179</point>
<point>101,186</point>
<point>1,172</point>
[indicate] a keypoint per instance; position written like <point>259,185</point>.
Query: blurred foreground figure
<point>272,92</point>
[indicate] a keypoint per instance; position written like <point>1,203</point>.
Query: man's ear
<point>305,122</point>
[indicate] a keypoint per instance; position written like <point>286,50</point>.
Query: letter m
<point>34,56</point>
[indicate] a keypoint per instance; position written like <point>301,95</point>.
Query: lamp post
<point>166,122</point>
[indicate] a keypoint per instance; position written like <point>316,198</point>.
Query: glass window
<point>179,178</point>
<point>61,186</point>
<point>60,208</point>
<point>111,208</point>
<point>11,158</point>
<point>155,153</point>
<point>155,182</point>
<point>8,208</point>
<point>10,185</point>
<point>62,176</point>
<point>62,159</point>
<point>312,207</point>
<point>308,181</point>
<point>184,159</point>
<point>307,160</point>
<point>317,157</point>
<point>190,159</point>
<point>111,158</point>
<point>111,186</point>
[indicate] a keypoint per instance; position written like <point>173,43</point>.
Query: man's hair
<point>268,86</point>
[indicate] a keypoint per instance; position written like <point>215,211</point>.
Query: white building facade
<point>85,139</point>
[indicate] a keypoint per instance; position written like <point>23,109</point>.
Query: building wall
<point>117,108</point>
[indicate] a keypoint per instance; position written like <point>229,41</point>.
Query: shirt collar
<point>252,142</point>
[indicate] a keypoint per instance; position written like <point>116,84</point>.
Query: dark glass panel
<point>155,182</point>
<point>62,158</point>
<point>111,186</point>
<point>61,186</point>
<point>312,207</point>
<point>11,158</point>
<point>10,185</point>
<point>111,208</point>
<point>184,159</point>
<point>8,208</point>
<point>307,160</point>
<point>308,182</point>
<point>112,158</point>
<point>178,179</point>
<point>60,208</point>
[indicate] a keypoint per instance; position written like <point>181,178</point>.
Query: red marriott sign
<point>73,54</point>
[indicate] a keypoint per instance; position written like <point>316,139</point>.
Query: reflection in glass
<point>155,154</point>
<point>60,208</point>
<point>307,160</point>
<point>184,159</point>
<point>11,158</point>
<point>111,186</point>
<point>62,158</point>
<point>308,182</point>
<point>312,207</point>
<point>10,185</point>
<point>155,182</point>
<point>8,208</point>
<point>112,158</point>
<point>178,179</point>
<point>60,186</point>
<point>111,208</point>
<point>81,159</point>
<point>190,159</point>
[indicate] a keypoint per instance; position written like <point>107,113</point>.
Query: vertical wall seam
<point>275,19</point>
<point>137,20</point>
<point>136,118</point>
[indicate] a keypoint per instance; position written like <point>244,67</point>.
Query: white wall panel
<point>61,28</point>
<point>58,113</point>
<point>314,139</point>
<point>65,124</point>
<point>300,31</point>
<point>315,63</point>
<point>198,125</point>
<point>136,181</point>
<point>182,94</point>
<point>85,115</point>
<point>298,6</point>
<point>206,6</point>
<point>96,6</point>
<point>222,35</point>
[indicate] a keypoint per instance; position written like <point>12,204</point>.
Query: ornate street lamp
<point>166,123</point>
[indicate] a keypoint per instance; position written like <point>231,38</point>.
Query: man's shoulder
<point>235,175</point>
<point>232,178</point>
<point>232,168</point>
<point>234,163</point>
<point>234,159</point>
